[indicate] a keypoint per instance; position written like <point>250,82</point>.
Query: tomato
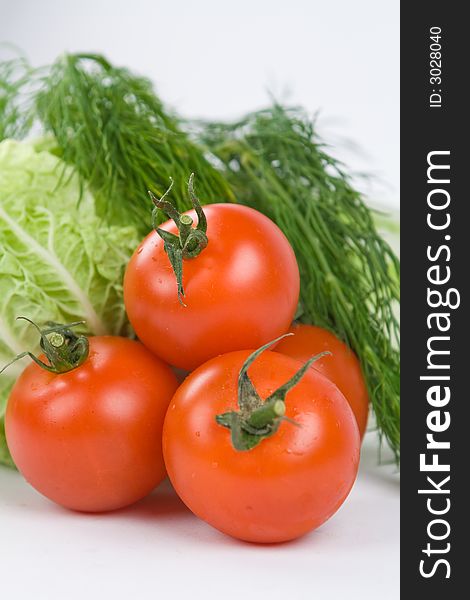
<point>240,291</point>
<point>290,482</point>
<point>90,438</point>
<point>342,367</point>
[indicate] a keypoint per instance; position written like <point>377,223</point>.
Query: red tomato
<point>90,439</point>
<point>287,485</point>
<point>342,367</point>
<point>241,291</point>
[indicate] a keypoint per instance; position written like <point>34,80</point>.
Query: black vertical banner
<point>435,253</point>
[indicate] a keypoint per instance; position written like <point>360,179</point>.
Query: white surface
<point>218,59</point>
<point>158,550</point>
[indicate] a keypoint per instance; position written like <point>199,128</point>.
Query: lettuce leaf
<point>59,261</point>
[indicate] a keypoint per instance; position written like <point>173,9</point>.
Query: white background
<point>217,60</point>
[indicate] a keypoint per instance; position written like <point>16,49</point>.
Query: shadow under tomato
<point>161,509</point>
<point>164,507</point>
<point>162,503</point>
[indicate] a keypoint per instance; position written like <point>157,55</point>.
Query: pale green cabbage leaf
<point>58,260</point>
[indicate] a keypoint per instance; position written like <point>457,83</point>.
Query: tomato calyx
<point>190,241</point>
<point>64,349</point>
<point>259,419</point>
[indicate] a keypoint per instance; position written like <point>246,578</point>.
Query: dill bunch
<point>110,125</point>
<point>349,275</point>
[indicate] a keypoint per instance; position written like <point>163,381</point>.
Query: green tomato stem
<point>259,419</point>
<point>266,414</point>
<point>190,241</point>
<point>64,349</point>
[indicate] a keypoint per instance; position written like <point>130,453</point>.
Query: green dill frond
<point>16,100</point>
<point>109,124</point>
